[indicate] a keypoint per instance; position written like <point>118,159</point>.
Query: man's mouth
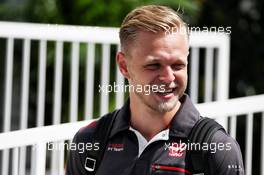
<point>165,92</point>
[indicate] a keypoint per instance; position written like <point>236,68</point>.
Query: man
<point>148,131</point>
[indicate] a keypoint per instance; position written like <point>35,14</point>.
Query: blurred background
<point>245,17</point>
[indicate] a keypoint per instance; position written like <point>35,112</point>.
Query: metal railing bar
<point>244,105</point>
<point>59,32</point>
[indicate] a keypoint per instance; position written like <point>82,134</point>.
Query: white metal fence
<point>59,133</point>
<point>84,56</point>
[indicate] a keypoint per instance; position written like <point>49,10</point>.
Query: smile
<point>167,92</point>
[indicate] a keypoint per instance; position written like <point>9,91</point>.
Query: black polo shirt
<point>128,154</point>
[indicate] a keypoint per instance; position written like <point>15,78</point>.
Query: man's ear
<point>122,64</point>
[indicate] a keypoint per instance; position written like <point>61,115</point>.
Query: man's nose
<point>167,75</point>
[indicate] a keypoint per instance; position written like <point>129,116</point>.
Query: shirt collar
<point>184,119</point>
<point>122,121</point>
<point>181,124</point>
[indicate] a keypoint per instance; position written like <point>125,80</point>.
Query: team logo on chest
<point>175,149</point>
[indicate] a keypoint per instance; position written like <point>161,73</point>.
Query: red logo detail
<point>176,150</point>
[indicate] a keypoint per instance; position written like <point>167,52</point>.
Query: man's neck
<point>149,122</point>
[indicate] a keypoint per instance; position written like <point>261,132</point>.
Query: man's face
<point>159,60</point>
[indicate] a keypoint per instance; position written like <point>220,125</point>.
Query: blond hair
<point>152,18</point>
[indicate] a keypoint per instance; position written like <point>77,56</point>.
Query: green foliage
<point>88,12</point>
<point>111,13</point>
<point>247,21</point>
<point>11,15</point>
<point>42,11</point>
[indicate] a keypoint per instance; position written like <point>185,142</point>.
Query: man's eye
<point>152,66</point>
<point>177,66</point>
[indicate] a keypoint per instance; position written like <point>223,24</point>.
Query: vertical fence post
<point>8,99</point>
<point>57,100</point>
<point>24,101</point>
<point>74,82</point>
<point>222,74</point>
<point>41,83</point>
<point>233,126</point>
<point>104,103</point>
<point>120,81</point>
<point>262,145</point>
<point>40,168</point>
<point>209,64</point>
<point>194,74</point>
<point>249,146</point>
<point>89,86</point>
<point>15,161</point>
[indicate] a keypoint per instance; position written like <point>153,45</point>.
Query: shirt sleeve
<point>225,155</point>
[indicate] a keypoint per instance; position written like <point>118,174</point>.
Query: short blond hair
<point>152,18</point>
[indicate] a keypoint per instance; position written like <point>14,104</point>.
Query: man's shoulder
<point>89,128</point>
<point>87,132</point>
<point>224,151</point>
<point>230,144</point>
<point>222,136</point>
<point>227,156</point>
